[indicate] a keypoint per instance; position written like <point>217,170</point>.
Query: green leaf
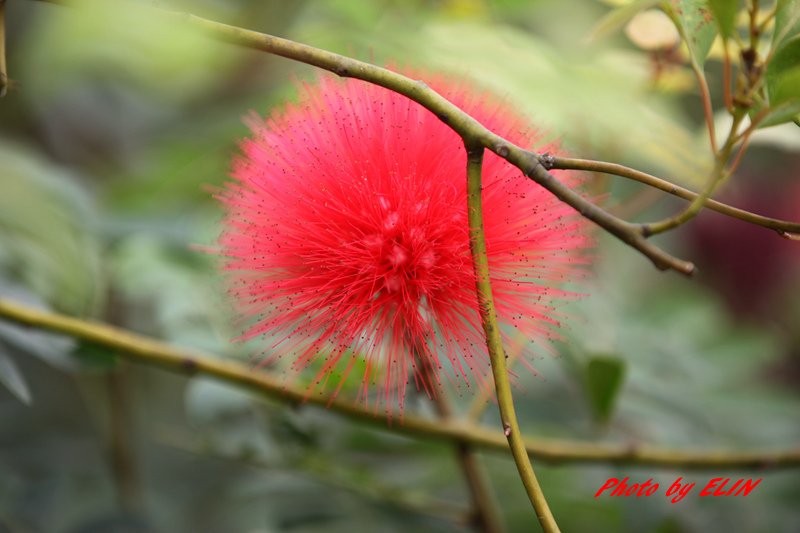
<point>615,19</point>
<point>11,377</point>
<point>695,22</point>
<point>786,112</point>
<point>783,83</point>
<point>725,12</point>
<point>94,356</point>
<point>48,238</point>
<point>787,23</point>
<point>604,377</point>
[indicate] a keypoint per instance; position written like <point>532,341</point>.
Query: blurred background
<point>119,122</point>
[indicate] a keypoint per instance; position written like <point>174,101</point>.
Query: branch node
<point>189,365</point>
<point>501,150</point>
<point>789,235</point>
<point>547,160</point>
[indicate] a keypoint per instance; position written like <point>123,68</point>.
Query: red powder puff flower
<point>347,243</point>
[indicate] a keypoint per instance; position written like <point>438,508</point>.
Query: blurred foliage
<point>122,124</point>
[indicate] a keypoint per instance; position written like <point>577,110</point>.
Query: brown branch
<point>727,97</point>
<point>716,178</point>
<point>630,234</point>
<point>708,111</point>
<point>780,226</point>
<point>148,351</point>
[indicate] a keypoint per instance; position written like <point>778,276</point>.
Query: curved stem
<point>716,178</point>
<point>148,351</point>
<point>708,111</point>
<point>727,97</point>
<point>568,163</point>
<point>494,343</point>
<point>631,234</point>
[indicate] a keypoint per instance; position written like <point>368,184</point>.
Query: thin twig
<point>754,27</point>
<point>717,176</point>
<point>708,111</point>
<point>727,98</point>
<point>148,351</point>
<point>567,163</point>
<point>631,234</point>
<point>494,343</point>
<point>744,138</point>
<point>762,28</point>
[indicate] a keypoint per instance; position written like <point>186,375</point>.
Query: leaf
<point>787,23</point>
<point>95,356</point>
<point>12,378</point>
<point>604,377</point>
<point>47,233</point>
<point>695,22</point>
<point>787,112</point>
<point>617,18</point>
<point>783,83</point>
<point>725,12</point>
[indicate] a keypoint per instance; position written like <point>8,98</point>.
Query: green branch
<point>148,351</point>
<point>494,343</point>
<point>783,227</point>
<point>718,175</point>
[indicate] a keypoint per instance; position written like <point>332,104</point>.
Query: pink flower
<point>347,242</point>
